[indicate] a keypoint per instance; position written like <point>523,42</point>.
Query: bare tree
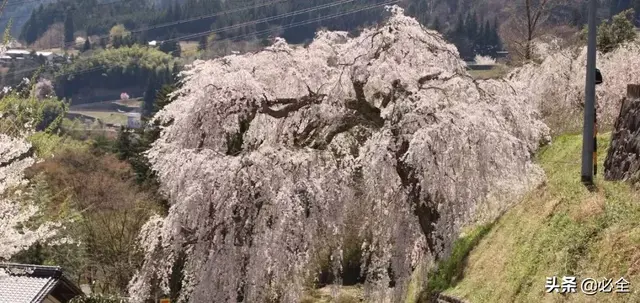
<point>528,20</point>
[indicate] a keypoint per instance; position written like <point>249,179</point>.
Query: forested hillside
<point>473,26</point>
<point>19,12</point>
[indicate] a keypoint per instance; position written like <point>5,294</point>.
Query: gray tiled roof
<point>24,289</point>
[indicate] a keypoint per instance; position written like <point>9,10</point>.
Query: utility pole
<point>589,102</point>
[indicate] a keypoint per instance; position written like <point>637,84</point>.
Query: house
<point>153,43</point>
<point>23,283</point>
<point>17,53</point>
<point>47,55</point>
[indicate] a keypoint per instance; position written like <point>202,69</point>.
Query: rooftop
<point>18,51</point>
<point>23,283</point>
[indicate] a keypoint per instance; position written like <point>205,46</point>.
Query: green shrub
<point>47,144</point>
<point>28,114</point>
<point>97,299</point>
<point>612,34</point>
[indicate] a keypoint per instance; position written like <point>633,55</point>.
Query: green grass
<point>105,117</point>
<point>560,229</point>
<point>346,294</point>
<point>449,271</point>
<point>497,72</point>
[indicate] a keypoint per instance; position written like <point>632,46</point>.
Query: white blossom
<point>484,60</point>
<point>271,156</point>
<point>14,214</point>
<point>557,85</point>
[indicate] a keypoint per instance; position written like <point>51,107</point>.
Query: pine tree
<point>117,42</point>
<point>7,32</point>
<point>487,33</point>
<point>87,45</point>
<point>460,29</point>
<point>175,73</point>
<point>495,37</point>
<point>436,24</point>
<point>202,45</point>
<point>167,77</point>
<point>471,26</point>
<point>149,95</point>
<point>162,97</point>
<point>177,12</point>
<point>68,28</point>
<point>123,146</point>
<point>103,42</point>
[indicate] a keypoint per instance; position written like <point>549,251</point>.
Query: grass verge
<point>560,229</point>
<point>449,271</point>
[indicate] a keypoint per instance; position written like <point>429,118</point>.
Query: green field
<point>105,117</point>
<point>497,72</point>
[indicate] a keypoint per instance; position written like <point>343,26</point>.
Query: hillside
<point>559,229</point>
<point>479,18</point>
<point>19,12</point>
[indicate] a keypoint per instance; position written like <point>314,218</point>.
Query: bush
<point>21,115</point>
<point>102,208</point>
<point>612,34</point>
<point>46,144</point>
<point>50,114</point>
<point>96,299</point>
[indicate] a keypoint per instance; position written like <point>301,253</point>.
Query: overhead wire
<point>263,20</point>
<point>183,21</point>
<point>301,23</point>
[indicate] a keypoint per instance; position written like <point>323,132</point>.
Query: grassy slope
<point>497,72</point>
<point>559,229</point>
<point>106,117</point>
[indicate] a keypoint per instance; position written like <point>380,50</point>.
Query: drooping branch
<point>290,104</point>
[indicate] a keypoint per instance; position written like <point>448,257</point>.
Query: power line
<point>235,10</point>
<point>32,1</point>
<point>43,1</point>
<point>319,19</point>
<point>167,24</point>
<point>263,20</point>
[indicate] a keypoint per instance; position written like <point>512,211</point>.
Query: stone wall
<point>623,159</point>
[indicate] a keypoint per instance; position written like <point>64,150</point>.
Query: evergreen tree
<point>103,42</point>
<point>68,28</point>
<point>495,36</point>
<point>7,32</point>
<point>436,26</point>
<point>177,12</point>
<point>202,44</point>
<point>87,45</point>
<point>149,95</point>
<point>30,29</point>
<point>142,38</point>
<point>459,30</point>
<point>487,35</point>
<point>471,25</point>
<point>117,41</point>
<point>162,97</point>
<point>123,146</point>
